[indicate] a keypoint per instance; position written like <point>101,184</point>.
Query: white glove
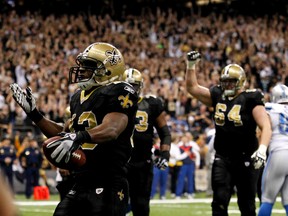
<point>259,157</point>
<point>64,149</point>
<point>25,100</point>
<point>192,58</point>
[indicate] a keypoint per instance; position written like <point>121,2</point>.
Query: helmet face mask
<point>134,77</point>
<point>279,94</point>
<point>229,86</point>
<point>232,79</point>
<point>99,64</point>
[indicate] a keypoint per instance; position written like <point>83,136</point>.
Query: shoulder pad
<point>154,100</point>
<point>120,86</point>
<point>253,90</point>
<point>273,107</point>
<point>150,95</point>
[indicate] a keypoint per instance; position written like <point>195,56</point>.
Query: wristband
<point>165,154</point>
<point>83,136</point>
<point>35,115</point>
<point>262,149</point>
<point>191,65</point>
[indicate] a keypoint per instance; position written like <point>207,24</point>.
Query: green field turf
<point>169,207</point>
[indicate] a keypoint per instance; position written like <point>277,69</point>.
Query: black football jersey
<point>88,111</point>
<point>234,122</point>
<point>149,108</point>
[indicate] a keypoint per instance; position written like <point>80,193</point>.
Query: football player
<point>274,179</point>
<point>150,115</point>
<point>237,113</point>
<point>102,122</point>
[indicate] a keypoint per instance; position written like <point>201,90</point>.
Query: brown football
<point>77,159</point>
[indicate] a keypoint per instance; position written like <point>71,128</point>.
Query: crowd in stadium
<point>38,50</point>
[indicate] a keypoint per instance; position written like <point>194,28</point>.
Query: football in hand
<point>77,159</point>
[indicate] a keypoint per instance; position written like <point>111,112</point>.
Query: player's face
<point>84,74</point>
<point>229,84</point>
<point>136,87</point>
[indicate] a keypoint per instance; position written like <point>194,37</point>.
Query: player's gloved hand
<point>69,143</point>
<point>259,157</point>
<point>25,99</point>
<point>161,163</point>
<point>192,58</point>
<point>161,159</point>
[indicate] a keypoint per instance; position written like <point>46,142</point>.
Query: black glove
<point>161,159</point>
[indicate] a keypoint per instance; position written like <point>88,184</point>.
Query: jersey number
<point>88,120</point>
<point>233,115</point>
<point>283,124</point>
<point>143,121</point>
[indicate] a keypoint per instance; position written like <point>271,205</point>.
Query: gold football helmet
<point>67,114</point>
<point>99,64</point>
<point>134,77</point>
<point>232,79</point>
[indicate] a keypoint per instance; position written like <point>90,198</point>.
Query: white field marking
<point>198,200</point>
<point>36,203</point>
<point>152,202</point>
<point>36,210</point>
<point>231,212</point>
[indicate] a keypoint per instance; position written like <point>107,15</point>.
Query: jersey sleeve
<point>216,93</point>
<point>268,106</point>
<point>255,97</point>
<point>156,105</point>
<point>122,98</point>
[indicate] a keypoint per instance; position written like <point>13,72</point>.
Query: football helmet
<point>99,64</point>
<point>134,77</point>
<point>232,79</point>
<point>67,114</point>
<point>279,94</point>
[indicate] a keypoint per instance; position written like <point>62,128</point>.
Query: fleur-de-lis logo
<point>121,195</point>
<point>113,57</point>
<point>126,103</point>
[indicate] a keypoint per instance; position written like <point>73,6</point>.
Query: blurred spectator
<point>7,158</point>
<point>191,160</point>
<point>31,160</point>
<point>174,163</point>
<point>5,121</point>
<point>203,150</point>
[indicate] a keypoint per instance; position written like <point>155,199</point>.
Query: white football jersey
<point>279,119</point>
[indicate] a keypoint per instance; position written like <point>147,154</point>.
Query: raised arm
<point>200,92</point>
<point>28,103</point>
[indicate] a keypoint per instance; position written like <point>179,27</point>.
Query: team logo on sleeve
<point>125,102</point>
<point>121,195</point>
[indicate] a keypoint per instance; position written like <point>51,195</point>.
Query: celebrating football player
<point>237,113</point>
<point>150,114</point>
<point>102,122</point>
<point>274,179</point>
